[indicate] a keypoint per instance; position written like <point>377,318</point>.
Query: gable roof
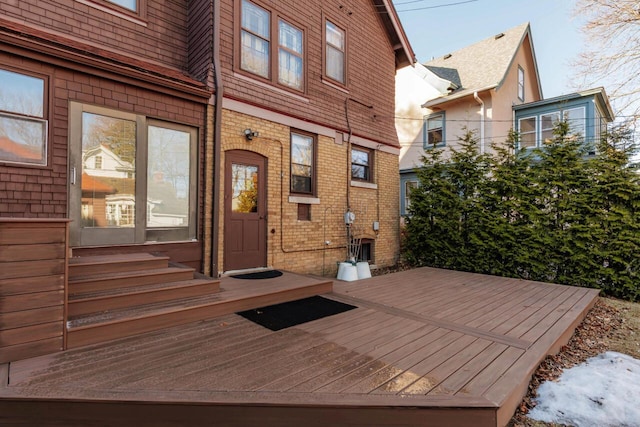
<point>399,41</point>
<point>483,65</point>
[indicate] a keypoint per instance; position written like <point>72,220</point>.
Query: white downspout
<point>481,102</point>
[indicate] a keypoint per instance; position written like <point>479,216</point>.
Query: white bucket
<point>347,272</point>
<point>364,272</point>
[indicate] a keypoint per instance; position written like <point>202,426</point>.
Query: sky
<point>601,392</point>
<point>438,27</point>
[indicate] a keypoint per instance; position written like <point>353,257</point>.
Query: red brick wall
<point>160,35</point>
<point>41,192</point>
<point>370,68</point>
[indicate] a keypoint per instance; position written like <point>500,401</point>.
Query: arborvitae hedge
<point>554,214</point>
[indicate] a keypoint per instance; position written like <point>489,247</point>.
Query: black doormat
<point>287,314</point>
<point>267,274</point>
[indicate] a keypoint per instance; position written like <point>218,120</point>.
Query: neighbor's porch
<point>424,347</point>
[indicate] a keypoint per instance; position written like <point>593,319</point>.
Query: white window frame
<point>534,132</point>
<point>521,83</point>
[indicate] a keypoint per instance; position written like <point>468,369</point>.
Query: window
<point>264,36</point>
<point>361,164</point>
<point>335,52</point>
<point>255,41</point>
<point>366,250</point>
<point>23,124</point>
<point>537,130</point>
<point>408,188</point>
<point>434,131</point>
<point>290,56</point>
<point>127,4</point>
<point>528,134</point>
<point>575,118</point>
<point>302,163</point>
<point>547,123</point>
<point>520,83</point>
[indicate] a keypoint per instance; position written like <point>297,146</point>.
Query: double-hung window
<point>361,164</point>
<point>335,52</point>
<point>433,132</point>
<point>302,164</point>
<point>23,118</point>
<point>547,123</point>
<point>271,47</point>
<point>528,132</point>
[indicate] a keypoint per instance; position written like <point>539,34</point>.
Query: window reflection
<point>245,188</point>
<point>168,177</point>
<point>108,171</point>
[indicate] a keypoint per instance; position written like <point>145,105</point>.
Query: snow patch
<point>601,392</point>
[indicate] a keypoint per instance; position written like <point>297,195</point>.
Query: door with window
<point>132,179</point>
<point>245,211</point>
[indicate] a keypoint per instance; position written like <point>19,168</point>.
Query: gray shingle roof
<point>482,65</point>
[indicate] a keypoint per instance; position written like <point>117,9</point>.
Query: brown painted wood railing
<point>33,286</point>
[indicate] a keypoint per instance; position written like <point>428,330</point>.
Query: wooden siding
<point>369,92</point>
<point>425,347</point>
<point>33,265</point>
<point>160,35</point>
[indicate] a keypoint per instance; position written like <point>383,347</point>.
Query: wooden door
<point>245,211</point>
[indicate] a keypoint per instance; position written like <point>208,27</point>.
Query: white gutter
<point>477,98</point>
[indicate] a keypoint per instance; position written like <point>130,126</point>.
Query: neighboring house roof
<point>12,150</point>
<point>398,38</point>
<point>598,93</point>
<point>90,183</point>
<point>481,66</point>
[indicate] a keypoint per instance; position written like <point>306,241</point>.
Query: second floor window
<point>335,53</point>
<point>434,131</point>
<point>127,4</point>
<point>264,38</point>
<point>255,39</point>
<point>302,164</point>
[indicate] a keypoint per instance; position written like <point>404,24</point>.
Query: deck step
<point>127,279</point>
<point>118,323</point>
<point>105,264</point>
<point>110,299</point>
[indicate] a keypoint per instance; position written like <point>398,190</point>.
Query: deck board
<point>423,347</point>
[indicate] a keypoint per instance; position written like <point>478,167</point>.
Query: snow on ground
<point>604,391</point>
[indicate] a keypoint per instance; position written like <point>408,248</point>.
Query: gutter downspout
<point>217,140</point>
<point>481,102</point>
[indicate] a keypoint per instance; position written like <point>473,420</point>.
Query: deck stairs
<point>112,296</point>
<point>115,296</point>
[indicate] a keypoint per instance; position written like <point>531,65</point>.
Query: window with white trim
<point>528,132</point>
<point>23,118</point>
<point>433,131</point>
<point>409,186</point>
<point>520,83</point>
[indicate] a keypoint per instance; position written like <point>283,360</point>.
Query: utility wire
<point>435,6</point>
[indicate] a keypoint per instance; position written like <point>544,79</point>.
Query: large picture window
<point>302,163</point>
<point>23,124</point>
<point>271,47</point>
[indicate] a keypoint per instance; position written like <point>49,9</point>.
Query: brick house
<point>139,74</point>
<point>307,133</point>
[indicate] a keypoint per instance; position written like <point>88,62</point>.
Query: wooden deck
<point>425,347</point>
